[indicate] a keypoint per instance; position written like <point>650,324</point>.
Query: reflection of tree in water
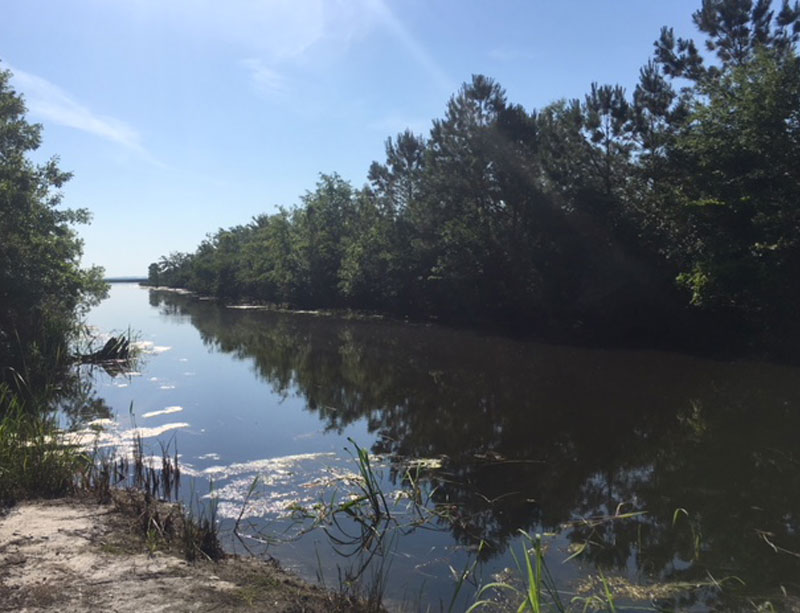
<point>535,436</point>
<point>77,398</point>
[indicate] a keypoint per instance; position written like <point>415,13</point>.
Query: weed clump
<point>35,462</point>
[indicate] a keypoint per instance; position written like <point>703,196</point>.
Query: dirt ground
<point>72,555</point>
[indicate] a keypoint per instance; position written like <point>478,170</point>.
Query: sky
<point>179,117</point>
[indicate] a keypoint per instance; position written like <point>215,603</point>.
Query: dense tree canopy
<point>618,216</point>
<point>43,290</point>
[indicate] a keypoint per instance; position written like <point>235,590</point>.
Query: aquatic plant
<point>539,592</point>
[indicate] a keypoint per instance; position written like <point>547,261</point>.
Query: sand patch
<point>82,557</point>
<point>56,556</point>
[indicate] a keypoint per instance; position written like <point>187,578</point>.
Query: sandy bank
<point>71,555</point>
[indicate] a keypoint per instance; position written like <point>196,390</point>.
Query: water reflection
<point>78,403</point>
<point>538,437</point>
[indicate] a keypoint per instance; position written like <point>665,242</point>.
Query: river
<point>654,469</point>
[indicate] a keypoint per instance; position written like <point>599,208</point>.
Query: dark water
<point>512,436</point>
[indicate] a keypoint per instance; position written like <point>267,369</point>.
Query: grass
<point>34,461</point>
<point>255,587</point>
<point>37,462</point>
<point>538,593</point>
<point>363,528</point>
<point>536,590</point>
<point>145,491</point>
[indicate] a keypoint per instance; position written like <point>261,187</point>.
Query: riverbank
<point>682,337</point>
<point>73,554</point>
<point>72,541</point>
<point>250,304</point>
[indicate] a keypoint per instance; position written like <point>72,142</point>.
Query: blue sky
<point>179,117</point>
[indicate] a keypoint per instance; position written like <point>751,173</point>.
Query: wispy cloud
<point>412,45</point>
<point>277,36</point>
<point>49,102</point>
<point>274,30</point>
<point>265,80</point>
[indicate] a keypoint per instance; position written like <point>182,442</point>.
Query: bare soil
<point>76,555</point>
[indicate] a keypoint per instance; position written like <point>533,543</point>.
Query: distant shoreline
<point>125,279</point>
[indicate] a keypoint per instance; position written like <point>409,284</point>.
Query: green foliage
<point>153,274</point>
<point>43,290</point>
<point>741,199</point>
<point>669,212</point>
<point>34,459</point>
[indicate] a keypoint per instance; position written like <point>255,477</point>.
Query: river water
<point>654,469</point>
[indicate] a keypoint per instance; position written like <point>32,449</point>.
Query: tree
<point>740,198</point>
<point>398,180</point>
<point>371,270</point>
<point>478,179</point>
<point>394,244</point>
<point>174,269</point>
<point>735,30</point>
<point>322,225</point>
<point>43,290</point>
<point>591,216</point>
<point>153,275</point>
<point>726,177</point>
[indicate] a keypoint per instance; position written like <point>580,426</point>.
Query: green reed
<point>34,460</point>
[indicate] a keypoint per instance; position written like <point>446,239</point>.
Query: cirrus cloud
<point>49,102</point>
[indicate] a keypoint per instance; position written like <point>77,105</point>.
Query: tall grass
<point>35,462</point>
<point>538,592</point>
<point>144,488</point>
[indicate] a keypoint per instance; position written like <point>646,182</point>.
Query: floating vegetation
<point>107,434</point>
<point>622,588</point>
<point>285,482</point>
<point>345,500</point>
<point>164,411</point>
<point>150,348</point>
<point>424,463</point>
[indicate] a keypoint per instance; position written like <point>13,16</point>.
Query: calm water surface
<point>499,436</point>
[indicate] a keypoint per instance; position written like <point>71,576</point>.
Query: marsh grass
<point>38,461</point>
<point>362,524</point>
<point>148,489</point>
<point>35,462</point>
<point>537,591</point>
<point>200,536</point>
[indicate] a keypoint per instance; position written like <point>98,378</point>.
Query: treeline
<point>43,290</point>
<point>674,209</point>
